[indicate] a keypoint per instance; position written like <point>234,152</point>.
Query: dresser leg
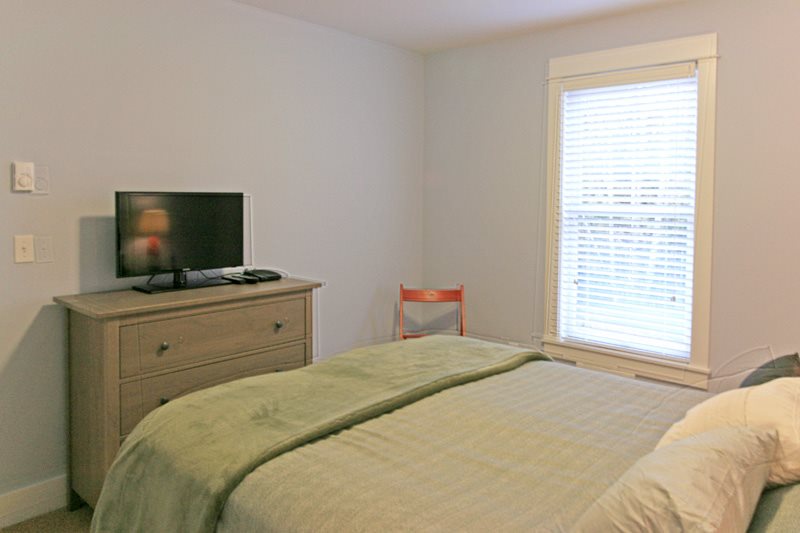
<point>75,501</point>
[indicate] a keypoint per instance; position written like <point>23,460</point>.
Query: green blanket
<point>175,471</point>
<point>522,451</point>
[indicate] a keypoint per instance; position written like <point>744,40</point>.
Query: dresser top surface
<point>113,304</point>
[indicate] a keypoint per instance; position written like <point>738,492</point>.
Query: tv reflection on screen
<point>154,226</point>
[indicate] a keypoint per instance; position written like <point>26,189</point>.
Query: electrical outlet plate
<point>23,176</point>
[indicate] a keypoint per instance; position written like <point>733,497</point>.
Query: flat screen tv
<point>178,232</point>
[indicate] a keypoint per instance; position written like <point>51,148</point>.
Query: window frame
<point>626,64</point>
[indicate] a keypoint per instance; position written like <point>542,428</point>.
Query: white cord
<point>249,198</point>
<point>316,305</point>
<point>315,301</point>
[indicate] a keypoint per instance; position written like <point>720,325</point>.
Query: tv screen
<point>169,232</point>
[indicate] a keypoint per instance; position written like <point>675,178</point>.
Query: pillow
<point>786,366</point>
<point>775,405</point>
<point>708,482</point>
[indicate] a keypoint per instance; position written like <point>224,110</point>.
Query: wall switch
<point>44,249</point>
<point>22,176</point>
<point>23,249</point>
<point>41,182</point>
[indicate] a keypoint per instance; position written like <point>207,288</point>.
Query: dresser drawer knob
<point>279,324</point>
<point>164,346</point>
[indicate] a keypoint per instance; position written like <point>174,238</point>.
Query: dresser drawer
<point>157,345</point>
<point>140,397</point>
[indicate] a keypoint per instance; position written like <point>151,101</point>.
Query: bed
<point>435,434</point>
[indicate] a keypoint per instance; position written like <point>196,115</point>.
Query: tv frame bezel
<point>180,280</point>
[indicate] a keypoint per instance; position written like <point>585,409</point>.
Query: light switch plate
<point>23,249</point>
<point>23,176</point>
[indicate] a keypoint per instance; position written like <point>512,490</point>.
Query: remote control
<point>264,275</point>
<point>238,279</point>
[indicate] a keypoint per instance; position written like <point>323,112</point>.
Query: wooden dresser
<point>130,352</point>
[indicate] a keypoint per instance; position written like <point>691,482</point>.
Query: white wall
<point>323,129</point>
<point>484,155</point>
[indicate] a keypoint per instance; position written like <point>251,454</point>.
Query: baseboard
<point>358,344</point>
<point>505,340</point>
<point>21,504</point>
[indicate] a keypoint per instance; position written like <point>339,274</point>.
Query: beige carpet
<point>61,521</point>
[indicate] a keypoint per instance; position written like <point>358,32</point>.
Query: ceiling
<point>433,25</point>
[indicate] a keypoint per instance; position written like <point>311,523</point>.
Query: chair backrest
<point>433,295</point>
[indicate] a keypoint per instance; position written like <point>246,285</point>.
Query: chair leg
<point>402,333</point>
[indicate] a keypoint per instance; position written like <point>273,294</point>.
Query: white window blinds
<point>626,214</point>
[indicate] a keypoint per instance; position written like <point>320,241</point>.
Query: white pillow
<point>709,482</point>
<point>774,405</point>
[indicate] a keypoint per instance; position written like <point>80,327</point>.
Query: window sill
<point>627,364</point>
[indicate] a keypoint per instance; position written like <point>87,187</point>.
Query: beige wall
<point>323,129</point>
<point>484,205</point>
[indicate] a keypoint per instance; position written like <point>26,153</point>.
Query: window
<point>630,173</point>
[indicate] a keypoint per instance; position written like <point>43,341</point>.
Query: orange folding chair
<point>433,295</point>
